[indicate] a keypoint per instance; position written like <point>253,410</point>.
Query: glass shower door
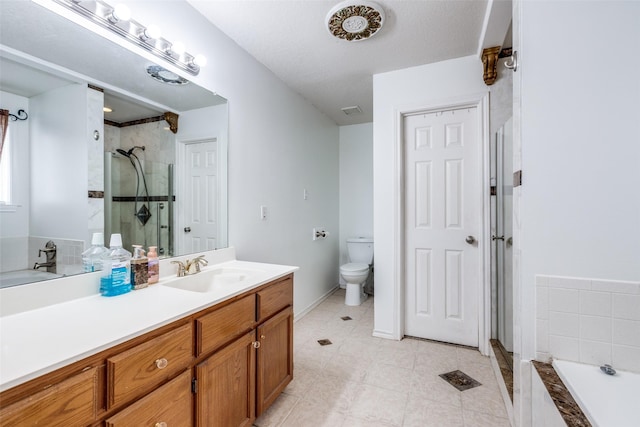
<point>144,216</point>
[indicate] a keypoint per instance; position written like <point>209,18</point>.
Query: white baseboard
<point>385,335</point>
<point>298,316</point>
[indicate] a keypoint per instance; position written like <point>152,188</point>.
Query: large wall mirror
<point>76,169</point>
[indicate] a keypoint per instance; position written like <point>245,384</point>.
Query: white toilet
<point>355,273</point>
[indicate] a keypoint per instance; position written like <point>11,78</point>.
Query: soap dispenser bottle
<point>153,265</point>
<point>116,273</point>
<point>139,265</point>
<point>92,257</point>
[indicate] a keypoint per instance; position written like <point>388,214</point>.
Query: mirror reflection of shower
<point>139,199</point>
<point>143,214</point>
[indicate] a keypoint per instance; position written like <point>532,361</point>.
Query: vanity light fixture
<point>118,21</point>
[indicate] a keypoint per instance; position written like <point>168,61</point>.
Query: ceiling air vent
<point>349,111</point>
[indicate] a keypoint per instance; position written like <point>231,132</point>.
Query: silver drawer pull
<point>161,424</point>
<point>161,364</point>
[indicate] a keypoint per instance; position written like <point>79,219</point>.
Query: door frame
<point>481,102</point>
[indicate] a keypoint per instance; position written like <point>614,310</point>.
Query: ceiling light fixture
<point>355,20</point>
<point>118,21</point>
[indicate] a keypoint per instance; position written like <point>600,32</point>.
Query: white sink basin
<point>215,279</point>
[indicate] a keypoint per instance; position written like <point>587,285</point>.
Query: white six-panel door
<point>443,213</point>
<point>201,210</point>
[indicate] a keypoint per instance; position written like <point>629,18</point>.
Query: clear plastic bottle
<point>153,265</point>
<point>116,276</point>
<point>139,268</point>
<point>92,257</point>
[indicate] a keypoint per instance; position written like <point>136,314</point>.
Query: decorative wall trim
<point>96,194</point>
<point>142,198</point>
<point>489,63</point>
<point>134,122</point>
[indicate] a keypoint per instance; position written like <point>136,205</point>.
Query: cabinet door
<point>225,395</point>
<point>275,358</point>
<point>69,403</point>
<point>169,406</point>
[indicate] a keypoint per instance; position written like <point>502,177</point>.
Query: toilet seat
<point>354,267</point>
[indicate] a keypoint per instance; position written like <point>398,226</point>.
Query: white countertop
<point>41,340</point>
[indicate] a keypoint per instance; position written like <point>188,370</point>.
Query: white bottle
<point>117,280</point>
<point>92,257</point>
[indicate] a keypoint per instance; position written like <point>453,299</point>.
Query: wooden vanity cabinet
<point>236,357</point>
<point>239,381</point>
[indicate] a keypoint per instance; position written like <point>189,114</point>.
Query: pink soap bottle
<point>154,267</point>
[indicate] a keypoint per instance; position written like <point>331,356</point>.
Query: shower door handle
<point>187,229</point>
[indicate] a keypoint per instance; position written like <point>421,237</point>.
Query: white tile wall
<point>588,321</point>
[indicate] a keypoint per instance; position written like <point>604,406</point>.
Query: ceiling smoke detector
<point>355,20</point>
<point>352,110</point>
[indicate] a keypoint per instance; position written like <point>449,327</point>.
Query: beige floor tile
<point>427,413</point>
<point>398,355</point>
<point>362,380</point>
<point>347,366</point>
<point>478,419</point>
<point>331,394</point>
<point>277,412</point>
<point>431,387</point>
<point>484,400</point>
<point>303,379</point>
<point>389,377</point>
<point>375,405</point>
<point>305,414</point>
<point>356,422</point>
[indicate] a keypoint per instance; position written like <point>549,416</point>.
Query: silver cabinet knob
<point>470,240</point>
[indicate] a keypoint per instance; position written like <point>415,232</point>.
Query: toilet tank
<point>360,250</point>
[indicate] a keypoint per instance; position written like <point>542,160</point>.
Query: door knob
<point>187,229</point>
<point>470,240</point>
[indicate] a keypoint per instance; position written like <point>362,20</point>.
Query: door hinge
<point>194,385</point>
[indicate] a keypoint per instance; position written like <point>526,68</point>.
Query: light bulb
<point>153,32</point>
<point>200,60</point>
<point>178,48</point>
<point>120,13</point>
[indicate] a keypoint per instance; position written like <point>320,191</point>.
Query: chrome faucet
<point>184,268</point>
<point>197,261</point>
<point>50,251</point>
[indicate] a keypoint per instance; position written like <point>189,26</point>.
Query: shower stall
<point>502,235</point>
<point>139,200</point>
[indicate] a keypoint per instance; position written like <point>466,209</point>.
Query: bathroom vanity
<point>217,357</point>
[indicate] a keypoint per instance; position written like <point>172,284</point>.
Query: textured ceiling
<point>290,38</point>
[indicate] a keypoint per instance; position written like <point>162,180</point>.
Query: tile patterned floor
<point>359,380</point>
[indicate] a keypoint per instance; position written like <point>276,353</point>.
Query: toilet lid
<point>354,266</point>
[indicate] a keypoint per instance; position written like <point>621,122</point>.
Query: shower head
<point>124,153</point>
<point>128,153</point>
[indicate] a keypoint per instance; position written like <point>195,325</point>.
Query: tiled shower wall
<point>589,321</point>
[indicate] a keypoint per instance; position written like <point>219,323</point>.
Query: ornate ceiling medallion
<point>355,20</point>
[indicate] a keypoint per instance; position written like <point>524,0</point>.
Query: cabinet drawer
<point>134,372</point>
<point>220,326</point>
<point>70,402</point>
<point>275,297</point>
<point>170,406</point>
